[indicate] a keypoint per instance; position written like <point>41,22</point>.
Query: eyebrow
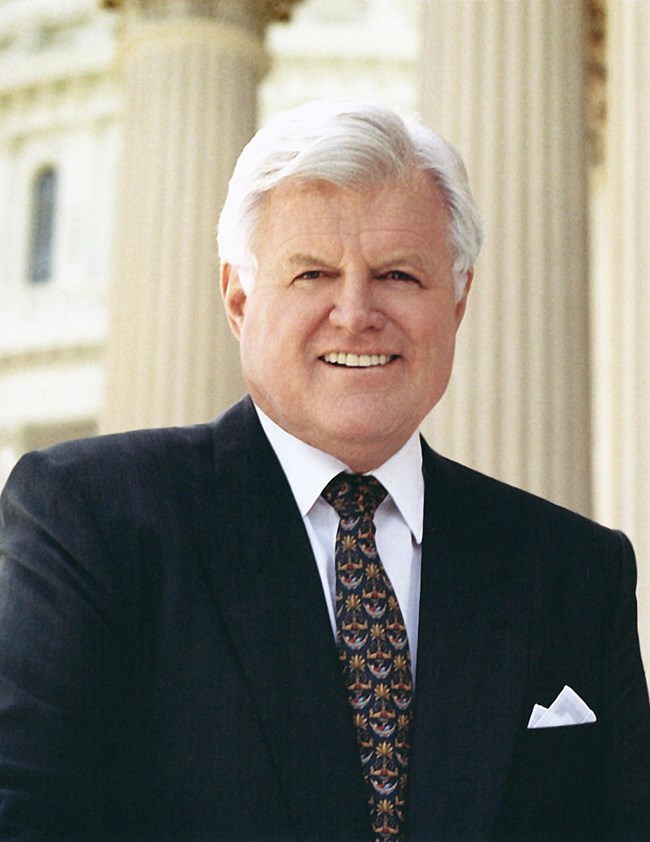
<point>302,259</point>
<point>408,259</point>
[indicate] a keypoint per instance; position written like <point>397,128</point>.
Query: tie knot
<point>354,494</point>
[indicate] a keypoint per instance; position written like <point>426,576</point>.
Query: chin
<point>349,433</point>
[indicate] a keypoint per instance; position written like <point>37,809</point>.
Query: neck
<point>360,458</point>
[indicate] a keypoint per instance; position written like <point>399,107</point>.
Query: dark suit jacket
<point>167,667</point>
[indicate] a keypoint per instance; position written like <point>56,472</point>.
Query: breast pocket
<point>554,785</point>
<point>561,761</point>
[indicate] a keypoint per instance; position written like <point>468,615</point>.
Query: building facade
<point>119,124</point>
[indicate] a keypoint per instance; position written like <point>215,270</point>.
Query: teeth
<point>357,360</point>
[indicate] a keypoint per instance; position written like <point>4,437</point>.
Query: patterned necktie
<point>374,651</point>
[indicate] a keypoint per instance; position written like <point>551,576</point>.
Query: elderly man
<point>299,622</point>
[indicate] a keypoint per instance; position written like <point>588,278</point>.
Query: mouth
<point>340,358</point>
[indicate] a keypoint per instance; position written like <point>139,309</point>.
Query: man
<point>299,622</point>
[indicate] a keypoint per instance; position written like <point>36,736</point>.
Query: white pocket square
<point>567,709</point>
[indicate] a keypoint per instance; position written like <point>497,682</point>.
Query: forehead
<point>410,212</point>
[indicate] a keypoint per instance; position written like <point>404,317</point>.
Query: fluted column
<point>190,70</point>
<point>622,293</point>
<point>504,81</point>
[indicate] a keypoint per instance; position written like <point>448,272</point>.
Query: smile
<point>358,360</point>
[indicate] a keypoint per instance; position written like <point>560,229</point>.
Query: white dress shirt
<point>398,519</point>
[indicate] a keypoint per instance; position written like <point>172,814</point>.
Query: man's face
<point>347,336</point>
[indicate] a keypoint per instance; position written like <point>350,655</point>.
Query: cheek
<point>434,348</point>
<point>252,342</point>
<point>269,340</point>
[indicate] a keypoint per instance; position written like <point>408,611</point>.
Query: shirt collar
<point>308,471</point>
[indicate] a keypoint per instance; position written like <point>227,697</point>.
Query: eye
<point>309,275</point>
<point>398,275</point>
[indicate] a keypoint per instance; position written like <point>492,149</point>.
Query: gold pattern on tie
<point>374,651</point>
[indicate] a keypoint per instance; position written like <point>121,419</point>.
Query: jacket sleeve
<point>62,664</point>
<point>626,761</point>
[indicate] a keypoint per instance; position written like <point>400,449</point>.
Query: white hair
<point>352,143</point>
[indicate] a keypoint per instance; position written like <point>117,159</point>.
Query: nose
<point>356,308</point>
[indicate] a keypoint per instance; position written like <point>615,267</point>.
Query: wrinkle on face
<point>359,275</point>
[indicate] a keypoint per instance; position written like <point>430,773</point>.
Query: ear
<point>462,304</point>
<point>234,297</point>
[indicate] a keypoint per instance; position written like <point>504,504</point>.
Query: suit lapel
<point>268,590</point>
<point>471,663</point>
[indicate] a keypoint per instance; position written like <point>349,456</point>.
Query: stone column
<point>622,293</point>
<point>190,70</point>
<point>504,82</point>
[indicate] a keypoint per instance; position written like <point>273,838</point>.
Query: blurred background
<point>120,122</point>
